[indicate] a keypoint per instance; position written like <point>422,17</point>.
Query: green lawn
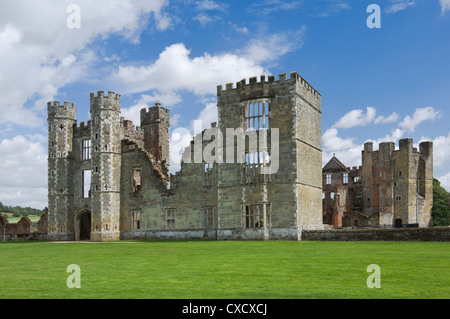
<point>225,269</point>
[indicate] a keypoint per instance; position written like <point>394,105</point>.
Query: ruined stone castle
<point>391,188</point>
<point>110,180</point>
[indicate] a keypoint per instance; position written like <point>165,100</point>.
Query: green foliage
<point>441,209</point>
<point>18,211</point>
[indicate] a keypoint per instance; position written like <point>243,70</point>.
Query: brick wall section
<point>386,234</point>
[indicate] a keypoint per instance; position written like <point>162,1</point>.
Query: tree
<point>441,209</point>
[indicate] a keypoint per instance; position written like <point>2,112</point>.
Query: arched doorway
<point>83,225</point>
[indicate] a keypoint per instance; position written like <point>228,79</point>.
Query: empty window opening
<point>86,149</point>
<point>208,174</point>
<point>86,183</point>
<point>256,115</point>
<point>328,179</point>
<point>398,197</point>
<point>136,179</point>
<point>136,217</point>
<point>255,216</point>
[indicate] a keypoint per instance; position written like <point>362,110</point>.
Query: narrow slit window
<point>86,183</point>
<point>136,220</point>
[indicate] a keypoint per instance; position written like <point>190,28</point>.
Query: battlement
<point>65,110</point>
<point>82,125</point>
<point>354,169</point>
<point>154,114</point>
<point>101,94</point>
<point>282,77</point>
<point>56,103</point>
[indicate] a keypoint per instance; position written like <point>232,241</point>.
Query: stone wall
<point>23,229</point>
<point>382,234</point>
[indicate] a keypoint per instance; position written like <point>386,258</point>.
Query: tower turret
<point>106,165</point>
<point>61,118</point>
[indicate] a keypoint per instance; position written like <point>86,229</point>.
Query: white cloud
<point>268,6</point>
<point>332,142</point>
<point>261,49</point>
<point>132,113</point>
<point>389,119</point>
<point>180,139</point>
<point>24,171</point>
<point>207,116</point>
<point>238,29</point>
<point>445,181</point>
<point>356,118</point>
<point>420,115</point>
<point>40,54</point>
<point>210,5</point>
<point>175,70</point>
<point>441,150</point>
<point>203,18</point>
<point>445,6</point>
<point>399,6</point>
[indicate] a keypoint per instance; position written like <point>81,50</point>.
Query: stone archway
<point>83,225</point>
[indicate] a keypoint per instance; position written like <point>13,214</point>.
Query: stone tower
<point>61,119</point>
<point>105,166</point>
<point>155,121</point>
<point>281,204</point>
<point>398,184</point>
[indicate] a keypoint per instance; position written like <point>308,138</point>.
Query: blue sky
<point>378,84</point>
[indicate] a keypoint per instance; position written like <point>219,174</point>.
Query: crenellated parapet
<point>66,110</point>
<point>269,86</point>
<point>154,114</point>
<point>111,101</point>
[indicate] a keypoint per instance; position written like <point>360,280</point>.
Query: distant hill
<point>18,211</point>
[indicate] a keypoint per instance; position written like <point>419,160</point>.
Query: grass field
<point>225,269</point>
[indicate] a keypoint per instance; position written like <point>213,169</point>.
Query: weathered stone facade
<point>109,180</point>
<point>391,188</point>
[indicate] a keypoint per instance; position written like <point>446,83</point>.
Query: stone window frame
<point>135,220</point>
<point>253,215</point>
<point>256,118</point>
<point>136,179</point>
<point>208,174</point>
<point>345,178</point>
<point>171,214</point>
<point>86,149</point>
<point>328,179</point>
